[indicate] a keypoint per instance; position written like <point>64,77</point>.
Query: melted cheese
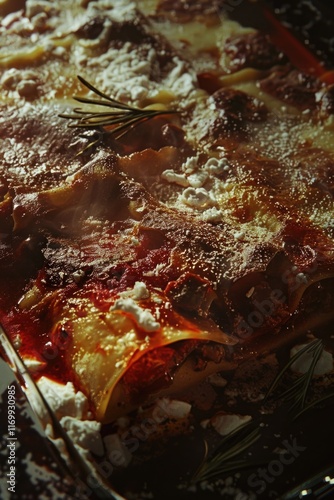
<point>105,344</point>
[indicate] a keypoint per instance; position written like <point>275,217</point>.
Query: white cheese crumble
<point>196,197</point>
<point>155,271</point>
<point>239,235</point>
<point>78,275</point>
<point>224,424</point>
<point>173,177</point>
<point>216,166</point>
<point>172,408</point>
<point>130,69</point>
<point>303,363</point>
<point>197,179</point>
<point>301,278</point>
<point>126,71</point>
<point>190,165</point>
<point>212,215</point>
<point>217,380</point>
<point>182,79</point>
<point>143,317</point>
<point>84,433</point>
<point>140,291</point>
<point>63,399</point>
<point>72,411</point>
<point>117,453</point>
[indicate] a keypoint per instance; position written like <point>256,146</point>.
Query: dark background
<point>312,21</point>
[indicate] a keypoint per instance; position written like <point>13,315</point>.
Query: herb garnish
<point>120,116</point>
<point>298,391</point>
<point>231,446</point>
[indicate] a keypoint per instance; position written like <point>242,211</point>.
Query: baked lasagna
<point>166,194</point>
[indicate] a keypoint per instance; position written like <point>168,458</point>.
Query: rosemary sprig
<point>120,116</point>
<point>224,458</point>
<point>298,391</point>
<point>314,403</point>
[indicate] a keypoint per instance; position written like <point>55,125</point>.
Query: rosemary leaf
<point>233,445</point>
<point>313,404</point>
<point>302,351</point>
<point>101,94</point>
<point>226,468</point>
<point>309,374</point>
<point>120,116</point>
<point>298,391</point>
